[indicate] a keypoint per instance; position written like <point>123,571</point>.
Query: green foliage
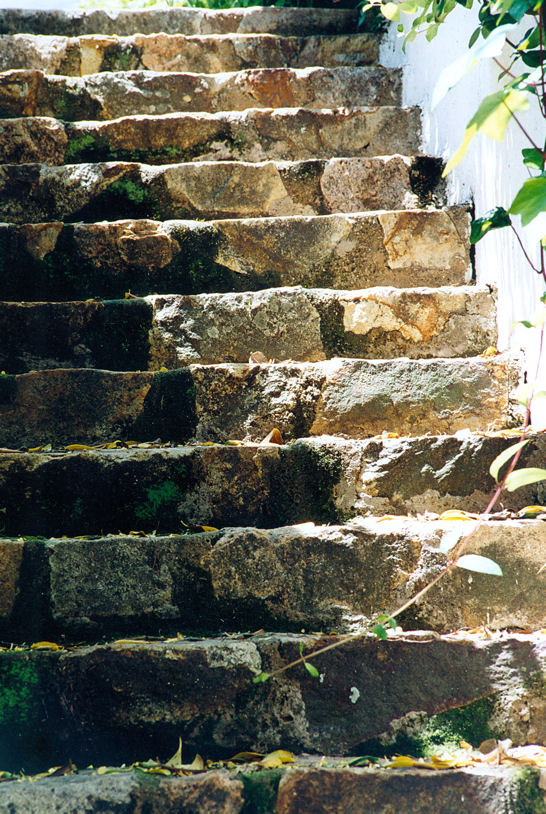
<point>494,219</point>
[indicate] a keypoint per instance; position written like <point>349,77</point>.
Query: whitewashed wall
<point>490,174</point>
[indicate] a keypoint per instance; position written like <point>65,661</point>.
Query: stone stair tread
<point>351,397</point>
<point>320,479</point>
<point>206,189</point>
<point>191,688</point>
<point>215,53</point>
<point>255,134</point>
<point>111,95</point>
<point>189,21</point>
<point>52,261</point>
<point>303,576</point>
<point>477,790</point>
<point>281,324</point>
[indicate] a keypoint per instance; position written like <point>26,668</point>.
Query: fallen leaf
<point>490,351</point>
<point>274,437</point>
<point>455,514</point>
<point>257,358</point>
<point>46,646</point>
<point>276,759</point>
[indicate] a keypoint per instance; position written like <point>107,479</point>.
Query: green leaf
<point>259,679</point>
<point>311,669</point>
<point>524,477</point>
<point>531,199</point>
<point>474,37</point>
<point>505,456</point>
<point>491,119</point>
<point>379,631</point>
<point>532,158</point>
<point>494,219</point>
<point>390,11</point>
<point>531,58</point>
<point>384,619</point>
<point>482,565</point>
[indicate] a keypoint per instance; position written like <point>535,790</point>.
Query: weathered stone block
<point>175,52</point>
<point>50,261</point>
<point>110,95</point>
<point>286,134</point>
<point>283,21</point>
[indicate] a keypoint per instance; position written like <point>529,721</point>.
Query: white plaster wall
<point>490,174</point>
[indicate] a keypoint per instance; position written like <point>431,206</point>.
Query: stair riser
<point>76,704</point>
<point>110,95</point>
<point>188,21</point>
<point>282,324</point>
<point>90,192</point>
<point>356,398</point>
<point>52,262</point>
<point>340,789</point>
<point>171,53</point>
<point>252,135</point>
<point>316,578</point>
<point>321,480</point>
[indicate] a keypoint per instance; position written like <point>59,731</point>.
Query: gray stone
<point>304,576</point>
<point>308,325</point>
<point>56,262</point>
<point>110,95</point>
<point>479,790</point>
<point>124,793</point>
<point>284,21</point>
<point>202,691</point>
<point>320,480</point>
<point>354,398</point>
<point>175,52</point>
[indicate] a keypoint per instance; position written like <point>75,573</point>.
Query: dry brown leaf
<point>274,437</point>
<point>257,358</point>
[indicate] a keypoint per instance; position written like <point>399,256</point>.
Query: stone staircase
<point>216,225</point>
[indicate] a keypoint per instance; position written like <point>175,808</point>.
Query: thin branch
<point>523,249</point>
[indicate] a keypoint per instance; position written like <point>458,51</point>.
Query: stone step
<point>50,261</point>
<point>117,702</point>
<point>284,134</point>
<point>204,190</point>
<point>322,480</point>
<point>304,576</point>
<point>354,397</point>
<point>299,22</point>
<point>174,52</point>
<point>110,95</point>
<point>291,790</point>
<point>305,325</point>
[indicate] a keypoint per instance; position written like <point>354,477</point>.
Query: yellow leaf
<point>45,646</point>
<point>35,449</point>
<point>246,757</point>
<point>455,514</point>
<point>209,528</point>
<point>276,759</point>
<point>77,447</point>
<point>490,351</point>
<point>402,762</point>
<point>163,369</point>
<point>176,760</point>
